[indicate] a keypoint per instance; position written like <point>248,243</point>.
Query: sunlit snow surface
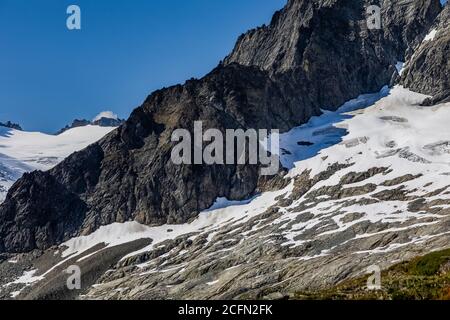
<point>22,151</point>
<point>430,36</point>
<point>387,129</point>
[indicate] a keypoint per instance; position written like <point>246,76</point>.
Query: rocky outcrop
<point>43,212</point>
<point>315,54</point>
<point>428,70</point>
<point>107,122</point>
<point>102,122</point>
<point>11,125</point>
<point>75,124</point>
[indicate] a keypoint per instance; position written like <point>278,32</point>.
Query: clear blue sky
<point>125,50</point>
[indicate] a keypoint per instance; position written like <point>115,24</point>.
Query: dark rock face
<point>43,212</point>
<point>428,71</point>
<point>326,49</point>
<point>315,54</point>
<point>138,183</point>
<point>11,125</point>
<point>406,22</point>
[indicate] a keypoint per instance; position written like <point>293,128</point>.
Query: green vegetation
<point>423,278</point>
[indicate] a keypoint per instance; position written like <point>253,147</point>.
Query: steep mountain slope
<point>326,56</point>
<point>379,196</point>
<point>327,47</point>
<point>22,151</point>
<point>367,180</point>
<point>428,69</point>
<point>370,188</point>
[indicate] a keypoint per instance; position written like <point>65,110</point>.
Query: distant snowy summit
<point>103,119</point>
<point>23,151</point>
<point>11,125</point>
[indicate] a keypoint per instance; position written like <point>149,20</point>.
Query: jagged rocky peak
<point>298,29</point>
<point>428,70</point>
<point>326,47</point>
<point>103,119</point>
<point>314,55</point>
<point>11,125</point>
